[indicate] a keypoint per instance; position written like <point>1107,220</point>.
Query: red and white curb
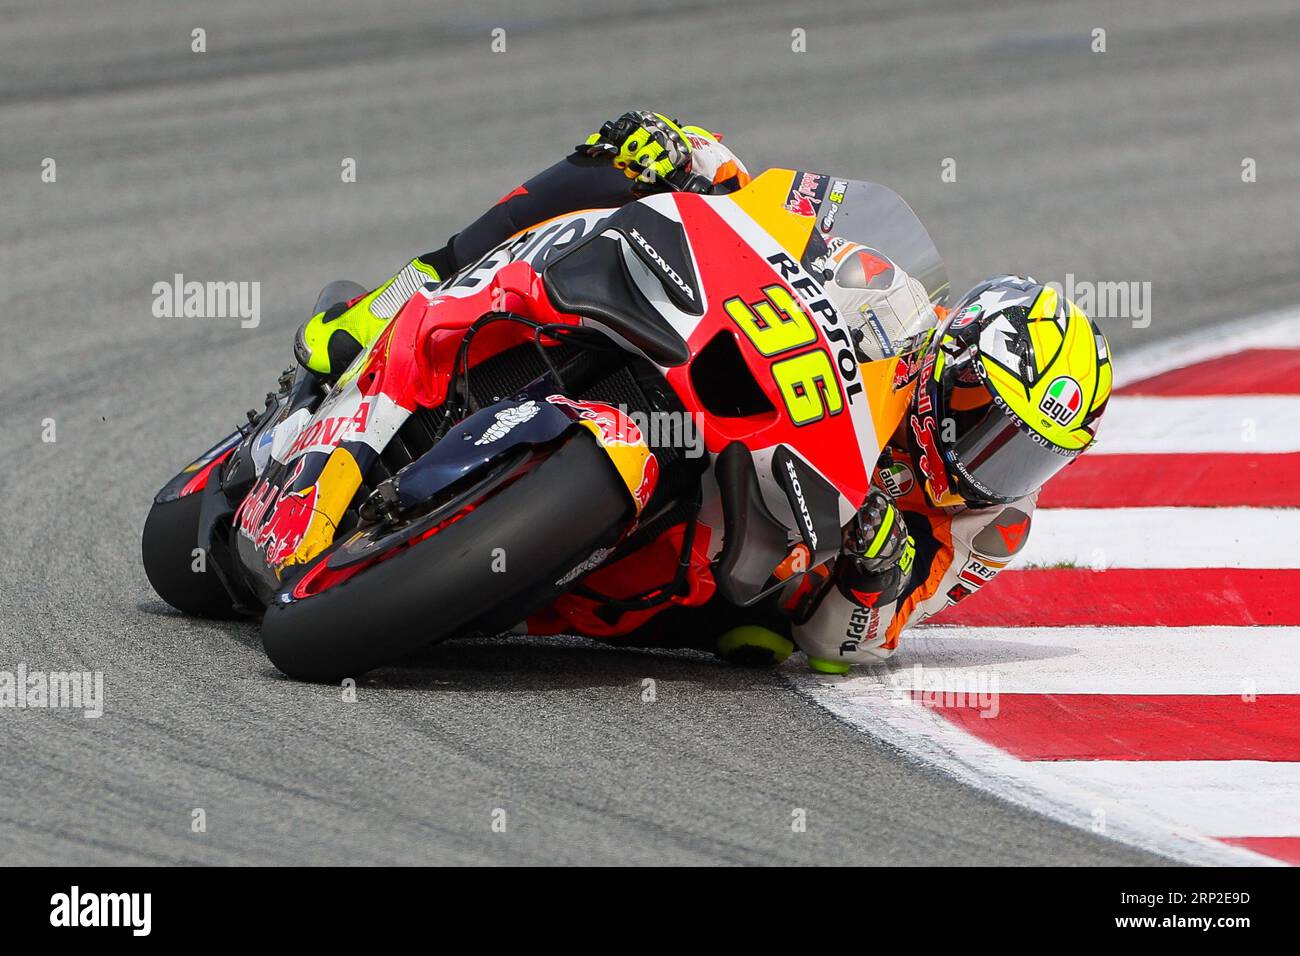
<point>1136,672</point>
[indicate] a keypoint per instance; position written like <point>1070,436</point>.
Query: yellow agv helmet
<point>1009,391</point>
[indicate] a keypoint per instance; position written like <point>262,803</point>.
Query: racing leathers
<point>904,559</point>
<point>954,551</point>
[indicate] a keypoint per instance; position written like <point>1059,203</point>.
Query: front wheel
<point>174,564</point>
<point>506,553</point>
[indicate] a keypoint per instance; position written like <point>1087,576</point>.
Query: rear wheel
<point>508,552</point>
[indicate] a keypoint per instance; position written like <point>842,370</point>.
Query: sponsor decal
<point>973,576</point>
<point>517,191</point>
<point>645,486</point>
<point>613,426</point>
<point>804,514</point>
<point>663,265</point>
<point>976,573</point>
<point>862,629</point>
<point>1033,436</point>
<point>622,441</point>
<point>930,462</point>
<point>827,316</point>
<point>865,598</point>
<point>331,431</point>
<point>873,266</point>
<point>1002,537</point>
<point>834,244</point>
<point>1062,401</point>
<point>958,593</point>
<point>536,247</point>
<point>905,370</point>
<point>507,420</point>
<point>274,521</point>
<point>800,205</point>
<point>805,194</point>
<point>896,478</point>
<point>290,519</point>
<point>966,317</point>
<point>1013,535</point>
<point>878,330</point>
<point>810,184</point>
<point>923,427</point>
<point>833,201</point>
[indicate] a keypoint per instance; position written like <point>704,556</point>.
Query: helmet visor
<point>1001,459</point>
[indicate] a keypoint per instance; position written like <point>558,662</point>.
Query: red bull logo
<point>614,426</point>
<point>623,442</point>
<point>930,463</point>
<point>649,480</point>
<point>275,522</point>
<point>801,205</point>
<point>290,520</point>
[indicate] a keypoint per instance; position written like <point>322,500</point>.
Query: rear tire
<point>167,547</point>
<point>541,527</point>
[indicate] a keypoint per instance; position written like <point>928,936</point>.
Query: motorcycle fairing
<point>792,340</point>
<point>592,280</point>
<point>532,419</point>
<point>538,246</point>
<point>811,483</point>
<point>316,467</point>
<point>194,477</point>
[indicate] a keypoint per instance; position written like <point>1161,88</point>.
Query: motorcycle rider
<point>1009,389</point>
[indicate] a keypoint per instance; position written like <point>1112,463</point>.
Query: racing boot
<point>328,342</point>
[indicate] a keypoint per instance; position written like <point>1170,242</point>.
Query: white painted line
<point>1164,538</point>
<point>1277,329</point>
<point>1036,785</point>
<point>1233,424</point>
<point>1221,798</point>
<point>1096,660</point>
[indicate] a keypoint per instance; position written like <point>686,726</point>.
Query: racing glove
<point>878,549</point>
<point>874,573</point>
<point>647,146</point>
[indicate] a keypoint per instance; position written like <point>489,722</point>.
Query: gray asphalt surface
<point>225,165</point>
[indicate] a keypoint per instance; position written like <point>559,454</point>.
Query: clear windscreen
<point>852,213</point>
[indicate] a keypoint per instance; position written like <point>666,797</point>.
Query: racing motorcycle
<point>489,450</point>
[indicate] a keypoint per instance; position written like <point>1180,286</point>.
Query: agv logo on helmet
<point>1062,400</point>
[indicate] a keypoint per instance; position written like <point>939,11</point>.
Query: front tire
<point>167,548</point>
<point>507,552</point>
